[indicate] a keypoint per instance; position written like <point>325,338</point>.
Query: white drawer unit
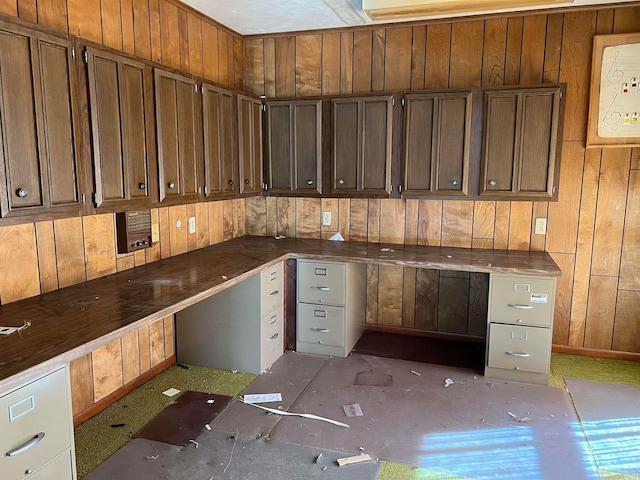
<point>330,313</point>
<point>37,430</point>
<point>520,327</point>
<point>240,328</point>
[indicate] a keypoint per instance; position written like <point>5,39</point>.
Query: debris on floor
<point>415,373</point>
<point>207,426</point>
<point>152,457</point>
<point>353,410</point>
<point>351,460</point>
<point>262,397</point>
<point>118,425</point>
<point>195,443</point>
<point>318,458</point>
<point>447,382</point>
<point>171,392</point>
<point>387,250</point>
<point>303,415</point>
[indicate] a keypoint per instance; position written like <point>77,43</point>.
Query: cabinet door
<point>118,97</point>
<point>219,141</point>
<point>179,142</point>
<point>437,140</point>
<point>250,143</point>
<point>520,142</point>
<point>362,145</point>
<point>294,146</point>
<point>37,114</point>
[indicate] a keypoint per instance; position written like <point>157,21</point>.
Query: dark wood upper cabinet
<point>437,138</point>
<point>220,159</point>
<point>294,146</point>
<point>39,171</point>
<point>250,144</point>
<point>521,144</point>
<point>362,145</point>
<point>122,123</point>
<point>179,130</point>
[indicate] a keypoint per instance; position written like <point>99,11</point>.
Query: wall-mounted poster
<point>614,103</point>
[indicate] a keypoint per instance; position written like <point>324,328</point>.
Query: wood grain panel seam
<point>624,216</point>
<point>55,254</point>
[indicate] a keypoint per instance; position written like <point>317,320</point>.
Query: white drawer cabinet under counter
<point>331,307</point>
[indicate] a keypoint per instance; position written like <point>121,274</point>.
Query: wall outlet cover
<point>192,224</point>
<point>326,219</point>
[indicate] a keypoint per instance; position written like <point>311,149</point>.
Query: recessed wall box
<point>134,230</point>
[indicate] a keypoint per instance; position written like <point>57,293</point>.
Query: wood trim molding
<point>594,352</point>
<point>110,399</point>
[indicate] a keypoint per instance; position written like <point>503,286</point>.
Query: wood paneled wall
<point>594,228</point>
<point>164,31</point>
<point>40,257</point>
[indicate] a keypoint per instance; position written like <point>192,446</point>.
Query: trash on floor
<point>262,397</point>
<point>415,373</point>
<point>337,237</point>
<point>152,457</point>
<point>171,392</point>
<point>447,382</point>
<point>387,250</point>
<point>303,415</point>
<point>351,460</point>
<point>318,458</point>
<point>195,443</point>
<point>353,410</point>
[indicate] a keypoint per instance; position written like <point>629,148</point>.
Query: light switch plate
<point>155,232</point>
<point>326,219</point>
<point>541,226</point>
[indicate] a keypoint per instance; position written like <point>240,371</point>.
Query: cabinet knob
<point>309,182</point>
<point>246,181</point>
<point>454,182</point>
<point>492,183</point>
<point>230,182</point>
<point>22,192</point>
<point>171,185</point>
<point>340,182</point>
<point>142,186</point>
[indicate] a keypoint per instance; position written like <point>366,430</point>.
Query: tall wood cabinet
<point>179,136</point>
<point>437,138</point>
<point>220,147</point>
<point>362,131</point>
<point>521,148</point>
<point>294,146</point>
<point>122,128</point>
<point>38,114</point>
<point>250,144</point>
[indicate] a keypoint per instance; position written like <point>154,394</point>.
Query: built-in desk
<point>74,321</point>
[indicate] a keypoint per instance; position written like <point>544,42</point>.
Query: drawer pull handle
<point>320,330</point>
<point>320,313</point>
<point>274,294</point>
<point>519,355</point>
<point>322,289</point>
<point>31,443</point>
<point>274,318</point>
<point>521,307</point>
<point>275,335</point>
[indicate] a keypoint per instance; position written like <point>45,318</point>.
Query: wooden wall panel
<point>457,224</point>
<point>372,294</point>
<point>373,221</point>
<point>53,14</point>
<point>285,71</point>
<point>362,57</point>
<point>377,59</point>
<point>493,56</point>
<point>630,266</point>
<point>331,64</point>
<point>308,218</point>
<point>194,32</point>
<point>210,52</point>
<point>562,317</point>
<point>10,7</point>
<point>224,66</point>
<point>601,312</point>
<point>270,67</point>
<point>359,212</point>
<point>308,64</point>
<point>253,65</point>
<point>69,241</point>
<point>513,54</point>
<point>81,374</point>
<point>99,245</point>
<point>18,263</point>
<point>466,54</point>
<point>430,222</point>
<point>520,226</point>
<point>626,333</point>
<point>107,369</point>
<point>130,357</point>
<point>438,55</point>
<point>390,287</point>
<point>553,47</point>
<point>392,213</point>
<point>83,21</point>
<point>128,40</point>
<point>418,57</point>
<point>47,267</point>
<point>111,24</point>
<point>533,41</point>
<point>346,62</point>
<point>142,28</point>
<point>27,10</point>
<point>397,69</point>
<point>170,34</point>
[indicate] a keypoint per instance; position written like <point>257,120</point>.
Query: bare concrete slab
<point>610,415</point>
<point>475,427</point>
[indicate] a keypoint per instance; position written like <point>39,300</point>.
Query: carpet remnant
<point>184,420</point>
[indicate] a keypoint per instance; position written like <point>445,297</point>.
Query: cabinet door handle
<point>31,443</point>
<point>492,183</point>
<point>273,294</point>
<point>142,186</point>
<point>309,182</point>
<point>519,355</point>
<point>322,289</point>
<point>320,330</point>
<point>275,335</point>
<point>273,319</point>
<point>340,182</point>
<point>521,307</point>
<point>454,182</point>
<point>171,185</point>
<point>230,182</point>
<point>22,192</point>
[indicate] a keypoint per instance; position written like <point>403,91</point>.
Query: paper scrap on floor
<point>352,410</point>
<point>263,398</point>
<point>171,392</point>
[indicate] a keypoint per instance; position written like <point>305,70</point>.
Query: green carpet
<point>590,368</point>
<point>96,439</point>
<point>395,471</point>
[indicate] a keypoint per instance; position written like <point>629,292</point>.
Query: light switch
<point>155,232</point>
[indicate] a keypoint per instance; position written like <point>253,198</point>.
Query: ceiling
<point>252,17</point>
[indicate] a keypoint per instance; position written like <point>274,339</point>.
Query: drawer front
<point>60,469</point>
<point>321,324</point>
<point>519,348</point>
<point>521,300</point>
<point>321,282</point>
<point>35,424</point>
<point>271,288</point>
<point>271,337</point>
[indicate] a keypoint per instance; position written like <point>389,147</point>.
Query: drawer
<point>271,338</point>
<point>320,324</point>
<point>271,288</point>
<point>519,348</point>
<point>321,282</point>
<point>60,469</point>
<point>36,417</point>
<point>521,300</point>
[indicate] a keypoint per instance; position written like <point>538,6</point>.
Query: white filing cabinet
<point>240,328</point>
<point>520,328</point>
<point>331,307</point>
<point>36,425</point>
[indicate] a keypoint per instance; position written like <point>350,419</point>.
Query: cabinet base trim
<point>594,352</point>
<point>113,397</point>
<point>425,333</point>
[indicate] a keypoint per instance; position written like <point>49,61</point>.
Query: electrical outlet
<point>326,219</point>
<point>192,224</point>
<point>541,226</point>
<point>155,232</point>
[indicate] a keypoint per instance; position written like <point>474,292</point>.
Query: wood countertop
<point>74,321</point>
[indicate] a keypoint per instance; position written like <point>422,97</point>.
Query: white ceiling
<point>250,17</point>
